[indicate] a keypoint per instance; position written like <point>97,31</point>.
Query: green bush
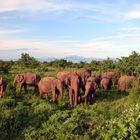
<point>124,126</point>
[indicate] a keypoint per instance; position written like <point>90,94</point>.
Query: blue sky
<point>60,28</point>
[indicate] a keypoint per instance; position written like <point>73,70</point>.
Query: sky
<point>60,28</point>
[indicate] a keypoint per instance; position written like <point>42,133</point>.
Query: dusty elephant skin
<point>3,85</point>
<point>96,79</point>
<point>28,78</point>
<point>106,84</point>
<point>73,88</point>
<point>125,82</point>
<point>90,89</point>
<point>111,75</point>
<point>63,75</point>
<point>50,84</point>
<point>83,74</point>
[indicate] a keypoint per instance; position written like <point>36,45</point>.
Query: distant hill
<point>73,58</point>
<point>77,59</point>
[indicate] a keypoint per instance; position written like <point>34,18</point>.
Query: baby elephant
<point>106,84</point>
<point>90,89</point>
<point>3,85</point>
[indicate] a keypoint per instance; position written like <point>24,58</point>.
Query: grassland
<point>113,115</point>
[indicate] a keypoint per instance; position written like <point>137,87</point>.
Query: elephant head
<point>18,79</point>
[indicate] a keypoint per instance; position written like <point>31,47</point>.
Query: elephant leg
<point>91,98</point>
<point>21,89</point>
<point>70,96</point>
<point>75,97</point>
<point>36,89</point>
<point>1,92</point>
<point>86,98</point>
<point>67,95</point>
<point>54,95</point>
<point>25,88</point>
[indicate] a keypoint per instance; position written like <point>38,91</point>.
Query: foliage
<point>124,126</point>
<point>27,61</point>
<point>107,64</point>
<point>112,115</point>
<point>129,65</point>
<point>5,66</point>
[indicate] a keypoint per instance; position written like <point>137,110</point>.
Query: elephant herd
<point>75,82</point>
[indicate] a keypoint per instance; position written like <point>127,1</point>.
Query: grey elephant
<point>3,85</point>
<point>50,84</point>
<point>28,78</point>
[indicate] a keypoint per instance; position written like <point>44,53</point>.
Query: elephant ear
<point>20,78</point>
<point>1,80</point>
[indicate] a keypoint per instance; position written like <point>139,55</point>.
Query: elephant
<point>3,85</point>
<point>90,89</point>
<point>106,84</point>
<point>50,84</point>
<point>73,86</point>
<point>63,75</point>
<point>83,74</point>
<point>96,79</point>
<point>125,82</point>
<point>27,78</point>
<point>113,75</point>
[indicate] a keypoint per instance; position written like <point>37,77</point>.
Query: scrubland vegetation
<point>112,116</point>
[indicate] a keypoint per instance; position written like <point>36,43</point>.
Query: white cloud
<point>130,29</point>
<point>134,13</point>
<point>102,47</point>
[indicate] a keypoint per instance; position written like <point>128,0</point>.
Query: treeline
<point>126,65</point>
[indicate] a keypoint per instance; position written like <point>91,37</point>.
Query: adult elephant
<point>83,74</point>
<point>90,89</point>
<point>111,75</point>
<point>3,85</point>
<point>28,78</point>
<point>106,84</point>
<point>125,82</point>
<point>50,84</point>
<point>73,86</point>
<point>63,75</point>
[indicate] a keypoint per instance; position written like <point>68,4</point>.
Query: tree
<point>107,64</point>
<point>27,61</point>
<point>129,65</point>
<point>5,66</point>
